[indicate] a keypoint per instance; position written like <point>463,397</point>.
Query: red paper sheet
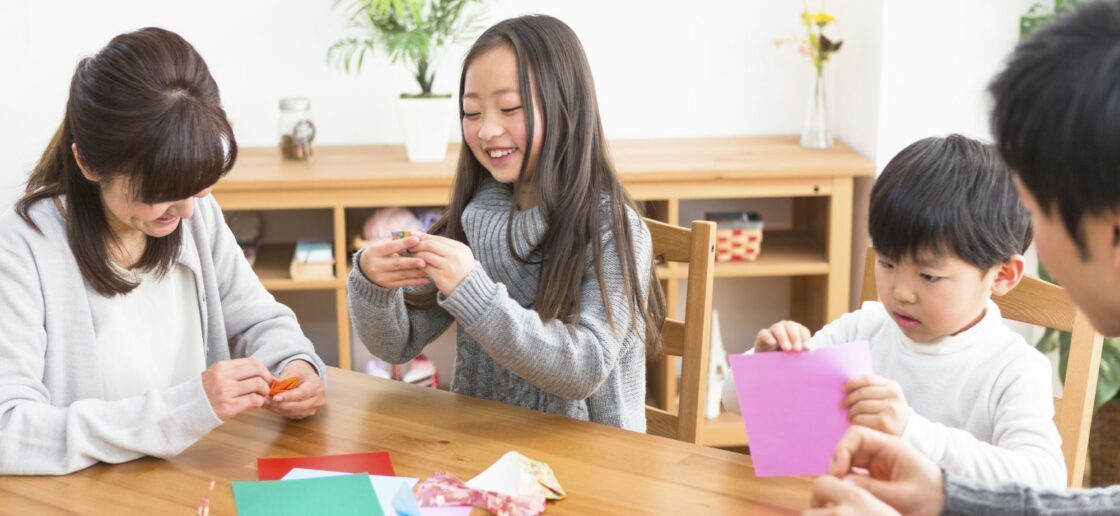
<point>374,463</point>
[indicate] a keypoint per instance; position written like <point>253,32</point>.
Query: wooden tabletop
<point>675,159</point>
<point>604,470</point>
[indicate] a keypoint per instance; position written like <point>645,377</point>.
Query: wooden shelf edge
<point>784,253</point>
<point>278,285</point>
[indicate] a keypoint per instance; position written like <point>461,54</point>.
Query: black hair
<point>948,195</point>
<point>1056,114</point>
<point>145,108</point>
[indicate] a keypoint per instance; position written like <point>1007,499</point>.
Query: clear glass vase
<point>817,133</point>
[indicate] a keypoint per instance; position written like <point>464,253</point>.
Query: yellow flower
<point>820,18</point>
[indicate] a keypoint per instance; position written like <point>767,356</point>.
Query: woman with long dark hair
<point>132,325</point>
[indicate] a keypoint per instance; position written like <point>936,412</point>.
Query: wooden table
<point>605,470</point>
<point>345,182</point>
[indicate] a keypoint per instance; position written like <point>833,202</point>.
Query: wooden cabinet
<point>815,251</point>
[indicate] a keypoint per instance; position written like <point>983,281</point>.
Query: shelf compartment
<point>784,253</point>
<point>272,266</point>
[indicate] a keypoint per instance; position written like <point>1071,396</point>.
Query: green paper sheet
<point>341,495</point>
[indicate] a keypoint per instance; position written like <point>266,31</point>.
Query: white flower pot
<point>426,123</point>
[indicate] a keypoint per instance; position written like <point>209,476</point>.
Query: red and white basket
<point>738,235</point>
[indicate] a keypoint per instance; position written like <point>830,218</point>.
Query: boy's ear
<point>82,164</point>
<point>1009,275</point>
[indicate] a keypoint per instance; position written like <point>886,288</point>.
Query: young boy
<point>952,379</point>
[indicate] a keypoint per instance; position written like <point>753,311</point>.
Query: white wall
<point>702,69</point>
<point>707,68</point>
<point>662,69</point>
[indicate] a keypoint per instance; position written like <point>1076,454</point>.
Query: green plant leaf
<point>412,32</point>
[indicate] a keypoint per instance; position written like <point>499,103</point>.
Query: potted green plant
<point>413,32</point>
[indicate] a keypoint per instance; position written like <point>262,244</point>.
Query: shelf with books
<point>273,267</point>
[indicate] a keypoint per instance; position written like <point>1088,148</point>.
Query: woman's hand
<point>234,386</point>
<point>303,400</point>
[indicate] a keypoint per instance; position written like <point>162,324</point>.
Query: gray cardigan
<point>505,351</point>
<point>964,497</point>
<point>53,419</point>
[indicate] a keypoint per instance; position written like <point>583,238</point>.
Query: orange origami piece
<point>287,384</point>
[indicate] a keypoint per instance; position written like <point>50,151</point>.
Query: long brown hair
<point>573,174</point>
<point>145,108</point>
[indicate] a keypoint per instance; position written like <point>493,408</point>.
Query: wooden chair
<point>1042,303</point>
<point>688,339</point>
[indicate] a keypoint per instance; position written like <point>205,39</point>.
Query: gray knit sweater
<point>964,497</point>
<point>505,351</point>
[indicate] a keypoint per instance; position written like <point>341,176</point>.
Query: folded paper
<point>791,405</point>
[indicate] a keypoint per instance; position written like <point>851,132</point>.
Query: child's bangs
<point>185,156</point>
<point>904,229</point>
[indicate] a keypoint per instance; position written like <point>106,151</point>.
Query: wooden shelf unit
<point>815,253</point>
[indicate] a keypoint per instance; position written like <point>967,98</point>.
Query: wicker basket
<point>738,235</point>
<point>1104,445</point>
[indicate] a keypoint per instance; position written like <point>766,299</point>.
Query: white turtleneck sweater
<point>981,401</point>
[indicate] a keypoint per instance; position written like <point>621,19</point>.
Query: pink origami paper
<point>791,405</point>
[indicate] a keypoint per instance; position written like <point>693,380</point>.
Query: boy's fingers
<point>867,393</point>
<point>779,332</point>
<point>863,381</point>
<point>866,407</point>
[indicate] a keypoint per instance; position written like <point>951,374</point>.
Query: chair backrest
<point>688,339</point>
<point>1045,304</point>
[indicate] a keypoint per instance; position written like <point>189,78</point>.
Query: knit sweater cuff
<point>965,497</point>
<point>365,288</point>
<point>472,299</point>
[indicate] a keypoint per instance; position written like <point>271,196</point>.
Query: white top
<point>982,402</point>
<point>151,338</point>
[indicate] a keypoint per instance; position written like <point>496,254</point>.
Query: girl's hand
<point>449,261</point>
<point>383,264</point>
<point>877,403</point>
<point>306,398</point>
<point>234,386</point>
<point>784,335</point>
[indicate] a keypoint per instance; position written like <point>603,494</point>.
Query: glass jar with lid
<point>296,128</point>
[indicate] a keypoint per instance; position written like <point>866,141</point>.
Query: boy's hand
<point>784,335</point>
<point>877,403</point>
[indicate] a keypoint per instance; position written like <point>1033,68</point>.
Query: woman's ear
<point>86,173</point>
<point>1009,275</point>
